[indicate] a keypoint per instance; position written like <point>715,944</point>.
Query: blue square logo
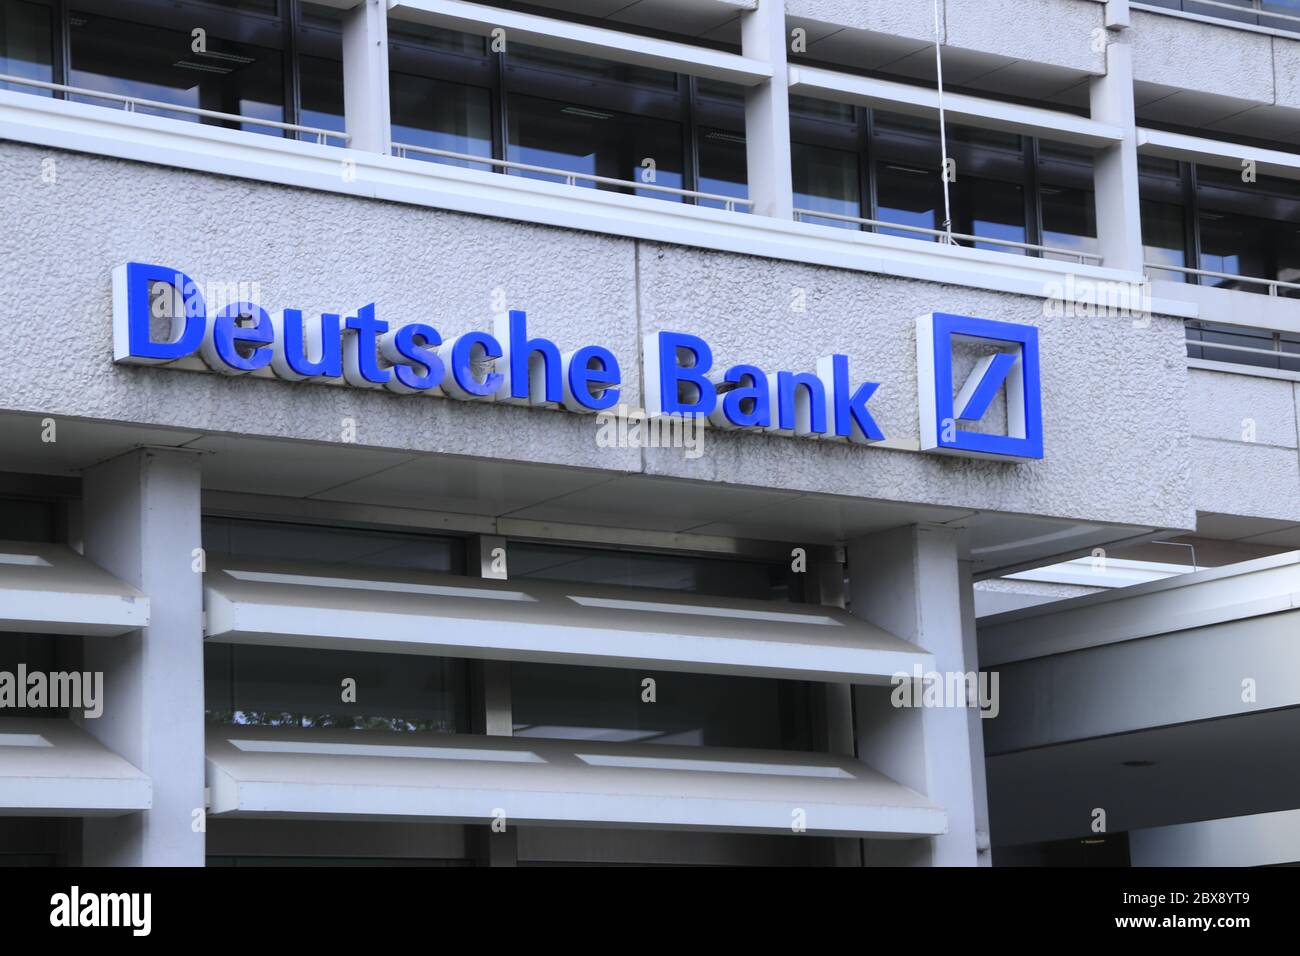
<point>1009,364</point>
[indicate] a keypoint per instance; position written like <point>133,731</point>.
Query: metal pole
<point>943,135</point>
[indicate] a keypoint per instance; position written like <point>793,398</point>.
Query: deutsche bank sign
<point>160,316</point>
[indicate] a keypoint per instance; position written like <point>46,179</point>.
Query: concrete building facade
<point>337,622</point>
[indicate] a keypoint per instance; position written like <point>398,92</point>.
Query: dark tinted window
<point>303,687</point>
<point>274,540</point>
<point>701,710</point>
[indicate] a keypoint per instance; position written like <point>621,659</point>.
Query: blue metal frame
<point>945,327</point>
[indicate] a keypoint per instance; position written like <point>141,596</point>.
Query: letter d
<point>133,341</point>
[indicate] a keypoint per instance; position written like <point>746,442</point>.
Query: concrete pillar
<point>141,522</point>
<point>494,715</point>
<point>1115,173</point>
<point>908,581</point>
<point>826,586</point>
<point>974,722</point>
<point>365,77</point>
<point>767,112</point>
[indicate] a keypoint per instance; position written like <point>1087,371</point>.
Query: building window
<point>351,547</point>
<point>606,704</point>
<point>986,194</point>
<point>36,653</point>
<point>1242,345</point>
<point>225,56</point>
<point>593,141</point>
<point>28,519</point>
<point>442,93</point>
<point>1208,216</point>
<point>151,52</point>
<point>1066,198</point>
<point>318,54</point>
<point>721,577</point>
<point>1254,12</point>
<point>301,687</point>
<point>1248,229</point>
<point>26,44</point>
<point>589,116</point>
<point>825,156</point>
<point>580,116</point>
<point>1164,194</point>
<point>555,701</point>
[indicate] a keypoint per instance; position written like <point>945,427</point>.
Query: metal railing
<point>570,177</point>
<point>1255,10</point>
<point>1273,284</point>
<point>1199,348</point>
<point>129,104</point>
<point>957,238</point>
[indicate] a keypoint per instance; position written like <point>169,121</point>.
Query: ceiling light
<point>202,67</point>
<point>588,114</point>
<point>228,57</point>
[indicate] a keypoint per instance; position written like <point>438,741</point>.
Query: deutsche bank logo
<point>1007,363</point>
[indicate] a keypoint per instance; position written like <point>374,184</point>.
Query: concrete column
<point>494,715</point>
<point>767,112</point>
<point>365,76</point>
<point>141,522</point>
<point>1115,174</point>
<point>826,586</point>
<point>974,722</point>
<point>908,581</point>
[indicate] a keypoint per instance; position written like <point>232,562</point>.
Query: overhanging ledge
<point>361,609</point>
<point>379,775</point>
<point>51,767</point>
<point>50,589</point>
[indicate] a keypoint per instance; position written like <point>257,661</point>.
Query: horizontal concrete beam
<point>958,107</point>
<point>1212,152</point>
<point>569,37</point>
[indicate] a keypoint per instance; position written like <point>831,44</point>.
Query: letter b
<point>674,388</point>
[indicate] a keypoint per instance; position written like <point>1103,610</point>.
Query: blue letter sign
<point>1009,364</point>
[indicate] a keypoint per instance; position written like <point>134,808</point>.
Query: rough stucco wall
<point>1116,441</point>
<point>1058,32</point>
<point>1239,473</point>
<point>1111,392</point>
<point>1286,73</point>
<point>900,18</point>
<point>1190,55</point>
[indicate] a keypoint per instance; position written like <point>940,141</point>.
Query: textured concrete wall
<point>1116,439</point>
<point>1227,61</point>
<point>900,18</point>
<point>1105,385</point>
<point>1046,31</point>
<point>1059,32</point>
<point>1244,444</point>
